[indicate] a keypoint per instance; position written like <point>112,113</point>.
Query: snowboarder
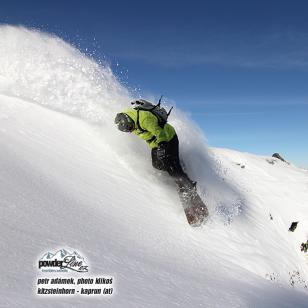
<point>149,122</point>
<point>162,140</point>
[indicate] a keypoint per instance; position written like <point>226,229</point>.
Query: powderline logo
<point>62,261</point>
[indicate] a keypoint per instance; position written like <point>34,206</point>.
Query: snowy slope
<point>70,179</point>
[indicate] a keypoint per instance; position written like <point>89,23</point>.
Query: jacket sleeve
<point>150,123</point>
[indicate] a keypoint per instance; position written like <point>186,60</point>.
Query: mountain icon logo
<point>61,261</point>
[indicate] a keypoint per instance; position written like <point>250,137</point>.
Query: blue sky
<point>239,67</point>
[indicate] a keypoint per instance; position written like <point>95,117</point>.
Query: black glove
<point>162,151</point>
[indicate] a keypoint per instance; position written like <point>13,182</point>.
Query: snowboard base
<point>194,208</point>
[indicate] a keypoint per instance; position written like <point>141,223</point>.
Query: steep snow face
<point>275,194</point>
<point>66,183</point>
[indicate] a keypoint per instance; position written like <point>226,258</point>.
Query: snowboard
<point>194,208</point>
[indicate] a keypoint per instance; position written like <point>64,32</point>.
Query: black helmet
<point>124,122</point>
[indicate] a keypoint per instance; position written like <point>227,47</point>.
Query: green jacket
<point>152,133</point>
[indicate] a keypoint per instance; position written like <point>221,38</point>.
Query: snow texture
<point>70,180</point>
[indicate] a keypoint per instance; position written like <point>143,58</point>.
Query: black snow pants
<point>171,164</point>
